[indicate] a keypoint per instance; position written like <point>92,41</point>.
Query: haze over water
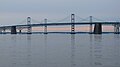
<point>60,50</point>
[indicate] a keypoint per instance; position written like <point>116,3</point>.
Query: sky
<point>15,11</point>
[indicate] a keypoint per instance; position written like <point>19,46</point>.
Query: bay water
<point>60,50</point>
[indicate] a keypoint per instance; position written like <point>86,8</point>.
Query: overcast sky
<point>15,11</point>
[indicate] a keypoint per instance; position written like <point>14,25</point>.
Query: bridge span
<point>28,26</point>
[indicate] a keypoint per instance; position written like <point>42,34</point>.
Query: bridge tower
<point>29,28</point>
<point>45,28</point>
<point>90,25</point>
<point>72,25</point>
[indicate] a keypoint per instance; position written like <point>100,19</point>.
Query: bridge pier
<point>0,31</point>
<point>116,28</point>
<point>13,30</point>
<point>98,28</point>
<point>20,31</point>
<point>4,31</point>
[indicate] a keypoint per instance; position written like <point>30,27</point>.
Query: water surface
<point>60,50</point>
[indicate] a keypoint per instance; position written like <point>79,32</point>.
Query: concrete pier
<point>20,31</point>
<point>98,28</point>
<point>116,28</point>
<point>4,31</point>
<point>13,30</point>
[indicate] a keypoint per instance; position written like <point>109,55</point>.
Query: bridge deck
<point>56,24</point>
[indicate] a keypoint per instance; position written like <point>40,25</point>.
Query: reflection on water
<point>45,51</point>
<point>28,47</point>
<point>60,50</point>
<point>98,50</point>
<point>21,56</point>
<point>73,50</point>
<point>117,50</point>
<point>91,50</point>
<point>14,57</point>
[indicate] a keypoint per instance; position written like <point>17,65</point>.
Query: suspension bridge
<point>95,27</point>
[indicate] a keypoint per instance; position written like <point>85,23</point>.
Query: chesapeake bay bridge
<point>95,27</point>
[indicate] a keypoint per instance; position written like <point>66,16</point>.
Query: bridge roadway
<point>56,24</point>
<point>97,26</point>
